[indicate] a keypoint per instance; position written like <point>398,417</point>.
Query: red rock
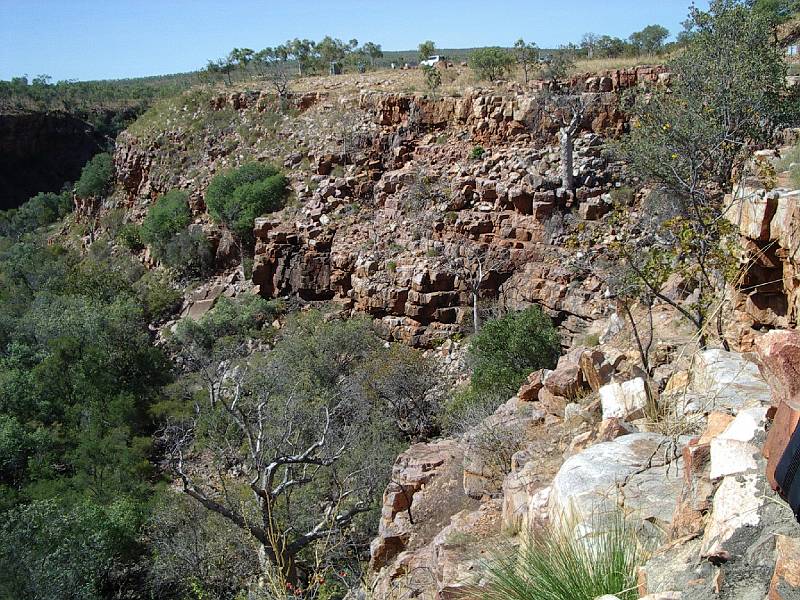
<point>595,369</point>
<point>785,584</point>
<point>779,356</point>
<point>529,391</point>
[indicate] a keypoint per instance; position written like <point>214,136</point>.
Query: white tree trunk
<point>475,319</point>
<point>567,181</point>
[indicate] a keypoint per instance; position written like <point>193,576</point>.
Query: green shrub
<point>165,219</point>
<point>42,209</point>
<point>567,563</point>
<point>433,78</point>
<point>159,297</point>
<point>506,350</point>
<point>130,236</point>
<point>491,63</point>
<point>189,253</point>
<point>240,319</point>
<point>477,153</point>
<point>235,198</point>
<point>96,176</point>
<point>622,196</point>
<point>88,542</point>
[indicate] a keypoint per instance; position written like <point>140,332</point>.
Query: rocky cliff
<point>422,212</point>
<point>427,213</point>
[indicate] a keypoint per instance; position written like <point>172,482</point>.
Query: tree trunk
<point>567,181</point>
<point>476,325</point>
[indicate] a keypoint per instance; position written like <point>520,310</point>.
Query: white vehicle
<point>431,61</point>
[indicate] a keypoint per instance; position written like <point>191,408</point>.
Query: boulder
<point>412,500</point>
<point>785,582</point>
<point>734,450</point>
<point>779,355</point>
<point>529,391</point>
<point>625,400</point>
<point>736,506</point>
<point>670,570</point>
<point>593,481</point>
<point>596,370</point>
<point>728,381</point>
<point>566,381</point>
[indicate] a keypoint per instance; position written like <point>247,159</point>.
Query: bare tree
<point>566,108</point>
<point>477,266</point>
<point>589,43</point>
<point>293,461</point>
<point>527,56</point>
<point>279,74</point>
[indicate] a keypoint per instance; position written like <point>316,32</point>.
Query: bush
<point>477,152</point>
<point>491,63</point>
<point>506,350</point>
<point>42,209</point>
<point>189,253</point>
<point>48,551</point>
<point>95,177</point>
<point>237,320</point>
<point>567,563</point>
<point>158,296</point>
<point>130,236</point>
<point>433,78</point>
<point>197,553</point>
<point>165,219</point>
<point>235,198</point>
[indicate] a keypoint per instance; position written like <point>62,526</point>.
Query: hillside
<point>399,334</point>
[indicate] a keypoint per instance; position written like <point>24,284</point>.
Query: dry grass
<point>608,64</point>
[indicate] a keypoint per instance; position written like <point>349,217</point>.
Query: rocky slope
<point>424,212</point>
<point>409,208</point>
<point>692,481</point>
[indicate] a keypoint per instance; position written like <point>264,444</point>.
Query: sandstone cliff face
<point>768,221</point>
<point>41,152</point>
<point>434,225</point>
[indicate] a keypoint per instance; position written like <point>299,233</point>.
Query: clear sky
<point>98,39</point>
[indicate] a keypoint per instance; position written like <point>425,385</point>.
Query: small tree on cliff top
<point>491,63</point>
<point>527,55</point>
<point>426,50</point>
<point>729,95</point>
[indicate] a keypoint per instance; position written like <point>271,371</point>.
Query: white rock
<point>623,400</point>
<point>727,380</point>
<point>731,451</point>
<point>736,505</point>
<point>588,483</point>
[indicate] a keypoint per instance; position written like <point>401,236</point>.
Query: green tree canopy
<point>426,50</point>
<point>96,176</point>
<point>235,198</point>
<point>169,215</point>
<point>649,40</point>
<point>491,63</point>
<point>507,350</point>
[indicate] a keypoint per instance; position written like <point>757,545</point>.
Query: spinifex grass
<point>564,563</point>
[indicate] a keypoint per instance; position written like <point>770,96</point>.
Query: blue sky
<point>94,39</point>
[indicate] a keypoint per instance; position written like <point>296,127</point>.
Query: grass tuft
<point>568,563</point>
